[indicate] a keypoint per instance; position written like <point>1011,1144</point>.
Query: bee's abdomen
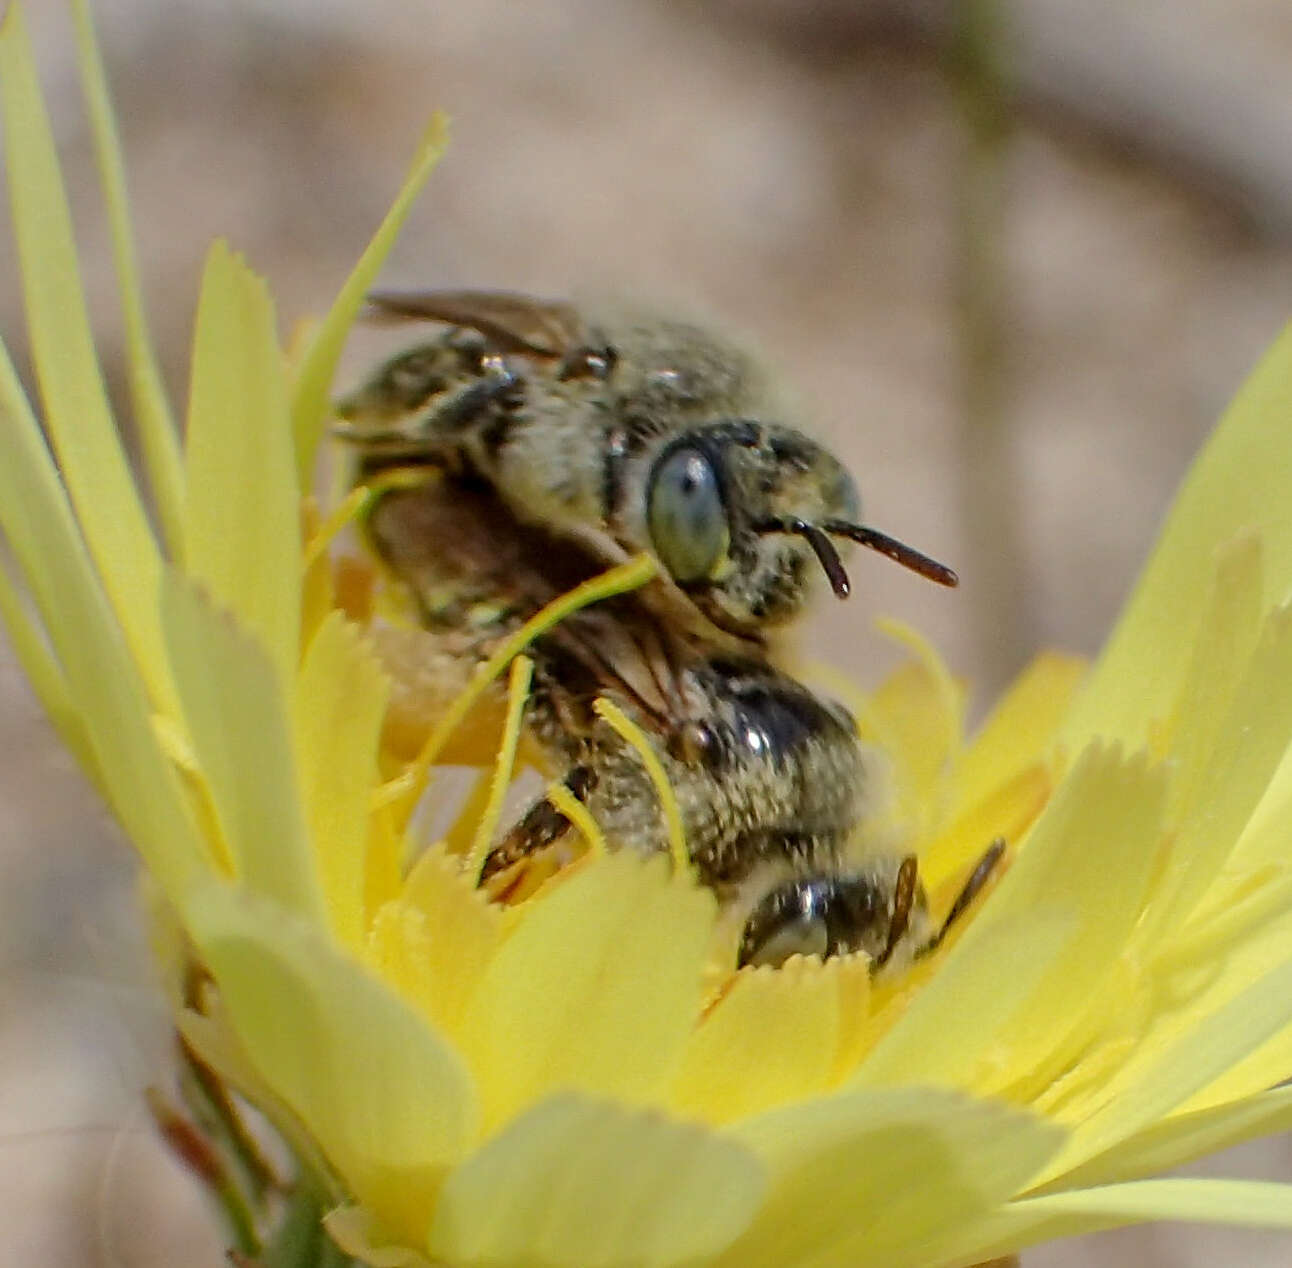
<point>783,779</point>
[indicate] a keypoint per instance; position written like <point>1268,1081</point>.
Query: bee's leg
<point>972,887</point>
<point>908,875</point>
<point>472,404</point>
<point>537,828</point>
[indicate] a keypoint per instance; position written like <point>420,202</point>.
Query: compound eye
<point>843,501</point>
<point>799,935</point>
<point>688,523</point>
<point>791,920</point>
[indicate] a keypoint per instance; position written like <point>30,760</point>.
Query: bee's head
<point>741,514</point>
<point>879,911</point>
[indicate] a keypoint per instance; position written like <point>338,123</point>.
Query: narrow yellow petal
<point>338,709</point>
<point>241,518</point>
<point>920,1163</point>
<point>310,395</point>
<point>1174,1141</point>
<point>148,395</point>
<point>1252,1203</point>
<point>318,582</point>
<point>1265,1066</point>
<point>1240,481</point>
<point>1231,612</point>
<point>583,1184</point>
<point>389,1102</point>
<point>579,816</point>
<point>103,682</point>
<point>1057,1215</point>
<point>234,708</point>
<point>1079,886</point>
<point>914,718</point>
<point>772,1038</point>
<point>522,672</point>
<point>45,675</point>
<point>598,987</point>
<point>632,735</point>
<point>93,463</point>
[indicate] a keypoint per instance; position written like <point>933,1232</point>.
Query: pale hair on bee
<point>559,440</point>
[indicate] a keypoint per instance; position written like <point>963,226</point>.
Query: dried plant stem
<point>976,55</point>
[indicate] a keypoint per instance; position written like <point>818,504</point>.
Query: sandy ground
<point>789,171</point>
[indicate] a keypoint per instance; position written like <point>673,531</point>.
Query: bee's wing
<point>516,323</point>
<point>621,650</point>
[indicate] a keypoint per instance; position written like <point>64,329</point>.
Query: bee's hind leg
<point>983,871</point>
<point>540,826</point>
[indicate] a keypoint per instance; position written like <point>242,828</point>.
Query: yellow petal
<point>596,989</point>
<point>152,412</point>
<point>1188,1048</point>
<point>233,706</point>
<point>1231,612</point>
<point>1250,740</point>
<point>1077,890</point>
<point>1240,481</point>
<point>241,519</point>
<point>1008,811</point>
<point>1184,1137</point>
<point>772,1038</point>
<point>1248,1202</point>
<point>310,395</point>
<point>1020,727</point>
<point>915,719</point>
<point>504,769</point>
<point>583,1184</point>
<point>918,1162</point>
<point>210,1036</point>
<point>1205,965</point>
<point>102,679</point>
<point>1058,1215</point>
<point>1007,772</point>
<point>436,940</point>
<point>45,675</point>
<point>93,464</point>
<point>388,1101</point>
<point>339,705</point>
<point>1267,1064</point>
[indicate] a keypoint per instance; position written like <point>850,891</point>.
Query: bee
<point>560,441</point>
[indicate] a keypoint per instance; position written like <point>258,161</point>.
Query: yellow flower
<point>570,1080</point>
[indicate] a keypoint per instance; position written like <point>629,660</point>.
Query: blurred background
<point>1011,260</point>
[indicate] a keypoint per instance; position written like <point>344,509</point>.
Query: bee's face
<point>715,508</point>
<point>649,430</point>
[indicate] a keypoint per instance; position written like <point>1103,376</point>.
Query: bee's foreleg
<point>540,826</point>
